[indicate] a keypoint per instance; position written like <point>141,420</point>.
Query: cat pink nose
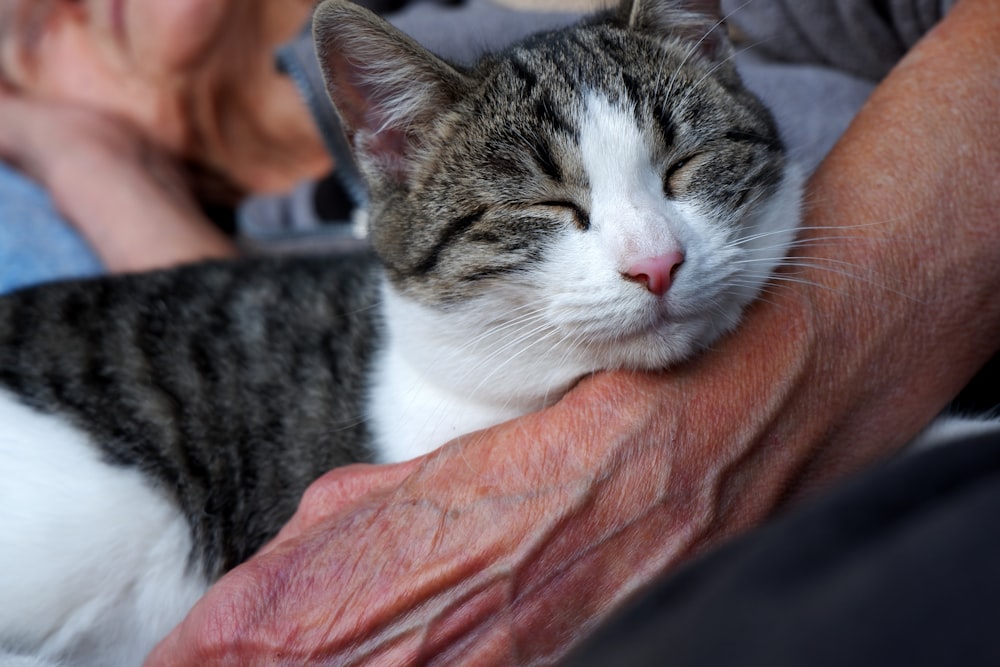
<point>656,273</point>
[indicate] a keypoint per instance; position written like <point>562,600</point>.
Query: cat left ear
<point>698,22</point>
<point>385,86</point>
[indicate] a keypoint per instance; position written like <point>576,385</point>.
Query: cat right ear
<point>698,22</point>
<point>385,86</point>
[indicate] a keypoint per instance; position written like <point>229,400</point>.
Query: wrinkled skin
<point>510,546</point>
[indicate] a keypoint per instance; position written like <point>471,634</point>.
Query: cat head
<point>614,176</point>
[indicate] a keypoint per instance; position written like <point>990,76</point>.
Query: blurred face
<point>136,58</point>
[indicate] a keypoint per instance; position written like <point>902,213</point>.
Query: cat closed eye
<point>676,177</point>
<point>580,218</point>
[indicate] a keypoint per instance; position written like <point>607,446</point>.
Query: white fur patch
<point>442,375</point>
<point>93,561</point>
<point>628,210</point>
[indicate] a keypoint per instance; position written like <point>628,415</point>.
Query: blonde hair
<point>216,109</point>
<point>221,103</point>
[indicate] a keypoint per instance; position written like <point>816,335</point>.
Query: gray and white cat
<point>603,196</point>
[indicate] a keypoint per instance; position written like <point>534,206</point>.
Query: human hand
<point>122,191</point>
<point>466,555</point>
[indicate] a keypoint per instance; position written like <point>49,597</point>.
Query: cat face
<point>614,179</point>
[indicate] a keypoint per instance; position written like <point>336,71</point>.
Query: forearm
<point>136,223</point>
<point>914,314</point>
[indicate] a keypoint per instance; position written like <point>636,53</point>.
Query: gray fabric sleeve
<point>861,37</point>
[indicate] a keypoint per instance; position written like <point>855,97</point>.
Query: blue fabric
<point>36,243</point>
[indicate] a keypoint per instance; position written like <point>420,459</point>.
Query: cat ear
<point>698,22</point>
<point>385,86</point>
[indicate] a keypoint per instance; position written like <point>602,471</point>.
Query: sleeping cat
<point>604,196</point>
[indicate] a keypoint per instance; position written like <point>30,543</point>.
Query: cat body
<point>604,196</point>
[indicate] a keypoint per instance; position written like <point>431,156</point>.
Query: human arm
<point>124,196</point>
<point>508,547</point>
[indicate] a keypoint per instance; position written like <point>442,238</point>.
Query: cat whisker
<point>525,334</point>
<point>750,238</point>
<point>568,351</point>
<point>693,49</point>
<point>776,283</point>
<point>824,264</point>
<point>764,294</point>
<point>515,323</point>
<point>523,331</point>
<point>498,368</point>
<point>732,56</point>
<point>827,265</point>
<point>509,333</point>
<point>800,242</point>
<point>792,261</point>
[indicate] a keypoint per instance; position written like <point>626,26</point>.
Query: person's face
<point>130,57</point>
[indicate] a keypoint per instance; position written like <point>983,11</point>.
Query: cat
<point>603,196</point>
